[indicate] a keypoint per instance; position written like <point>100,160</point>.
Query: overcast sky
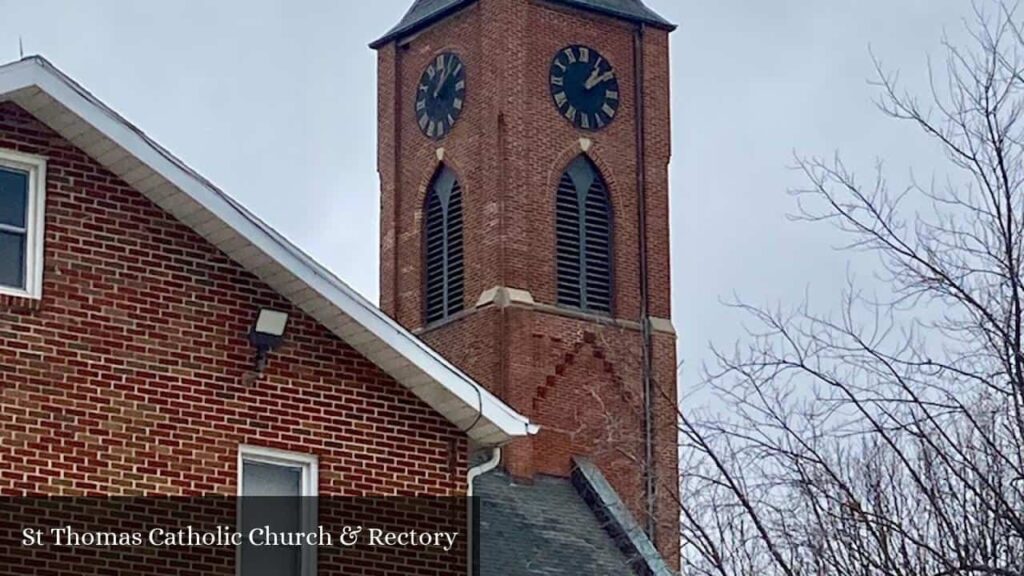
<point>274,100</point>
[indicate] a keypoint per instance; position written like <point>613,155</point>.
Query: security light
<point>267,334</point>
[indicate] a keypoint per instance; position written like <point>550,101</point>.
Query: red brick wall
<point>132,374</point>
<point>579,379</point>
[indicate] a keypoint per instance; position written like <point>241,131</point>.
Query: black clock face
<point>440,95</point>
<point>584,87</point>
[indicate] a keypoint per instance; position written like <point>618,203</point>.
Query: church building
<point>157,338</point>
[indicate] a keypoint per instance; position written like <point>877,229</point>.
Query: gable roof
<point>67,108</point>
<point>425,12</point>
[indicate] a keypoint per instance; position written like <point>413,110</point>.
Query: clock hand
<point>440,83</point>
<point>592,81</point>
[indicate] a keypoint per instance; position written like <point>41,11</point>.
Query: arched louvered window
<point>443,277</point>
<point>583,225</point>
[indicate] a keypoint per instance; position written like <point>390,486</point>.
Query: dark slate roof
<point>633,10</point>
<point>426,12</point>
<point>542,529</point>
<point>616,518</point>
<point>556,527</point>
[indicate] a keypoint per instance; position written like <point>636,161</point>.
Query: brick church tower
<point>523,157</point>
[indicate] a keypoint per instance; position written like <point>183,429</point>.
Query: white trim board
<point>59,102</point>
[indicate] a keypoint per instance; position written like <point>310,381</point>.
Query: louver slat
<point>455,291</point>
<point>443,254</point>
<point>583,237</point>
<point>434,257</point>
<point>598,248</point>
<point>567,252</point>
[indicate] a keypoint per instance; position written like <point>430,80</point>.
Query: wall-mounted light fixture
<point>267,334</point>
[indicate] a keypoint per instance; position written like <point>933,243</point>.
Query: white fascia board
<point>36,71</point>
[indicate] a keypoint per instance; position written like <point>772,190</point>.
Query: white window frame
<point>309,464</point>
<point>34,222</point>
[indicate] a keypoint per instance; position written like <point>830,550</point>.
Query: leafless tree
<point>886,437</point>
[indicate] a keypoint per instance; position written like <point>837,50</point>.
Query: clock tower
<point>523,153</point>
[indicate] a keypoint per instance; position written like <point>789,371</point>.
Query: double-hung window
<point>278,491</point>
<point>22,199</point>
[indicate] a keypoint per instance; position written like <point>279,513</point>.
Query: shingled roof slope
<point>425,12</point>
<point>542,529</point>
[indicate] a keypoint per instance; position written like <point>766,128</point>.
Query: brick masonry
<point>579,378</point>
<point>132,375</point>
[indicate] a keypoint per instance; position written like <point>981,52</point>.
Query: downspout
<point>503,360</point>
<point>396,209</point>
<point>645,313</point>
<point>478,471</point>
<point>474,473</point>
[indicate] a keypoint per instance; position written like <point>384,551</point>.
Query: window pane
<point>12,260</point>
<point>13,197</point>
<point>281,512</point>
<point>271,480</point>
